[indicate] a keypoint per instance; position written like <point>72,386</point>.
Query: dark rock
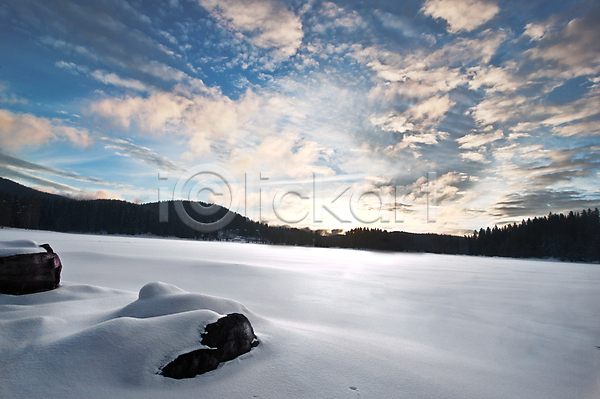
<point>191,364</point>
<point>230,336</point>
<point>27,273</point>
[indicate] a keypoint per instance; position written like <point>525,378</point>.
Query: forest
<point>571,237</point>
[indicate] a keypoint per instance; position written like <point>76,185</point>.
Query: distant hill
<point>574,237</point>
<point>14,188</point>
<point>24,207</point>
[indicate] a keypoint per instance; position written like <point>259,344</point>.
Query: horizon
<point>163,216</point>
<point>449,115</point>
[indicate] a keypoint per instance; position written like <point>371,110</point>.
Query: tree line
<point>574,237</point>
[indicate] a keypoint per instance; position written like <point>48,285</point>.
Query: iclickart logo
<point>211,189</point>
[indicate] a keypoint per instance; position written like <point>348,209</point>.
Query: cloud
<point>267,24</point>
<point>17,164</point>
<point>576,111</point>
<point>419,80</point>
<point>205,121</point>
<point>574,48</point>
<point>393,123</point>
<point>220,119</point>
<point>474,157</point>
<point>432,108</point>
<point>104,33</point>
<point>284,155</point>
<point>398,22</point>
<point>549,167</point>
<point>46,184</point>
<point>100,194</point>
<point>537,30</point>
<point>502,109</point>
<point>69,48</point>
<point>413,141</point>
<point>18,130</point>
<point>540,202</point>
<point>155,113</point>
<point>72,67</point>
<point>53,187</point>
<point>110,78</point>
<point>426,73</point>
<point>461,15</point>
<point>475,140</point>
<point>11,98</point>
<point>466,51</point>
<point>578,129</point>
<point>495,79</point>
<point>160,70</point>
<point>146,155</point>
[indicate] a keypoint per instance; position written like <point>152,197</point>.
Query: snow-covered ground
<point>332,323</point>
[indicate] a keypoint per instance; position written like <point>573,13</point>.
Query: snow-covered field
<point>332,323</point>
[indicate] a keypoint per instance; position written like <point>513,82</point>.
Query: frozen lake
<point>333,323</point>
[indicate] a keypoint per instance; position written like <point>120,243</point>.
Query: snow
<point>332,323</point>
<point>19,247</point>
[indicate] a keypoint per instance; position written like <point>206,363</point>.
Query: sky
<point>426,116</point>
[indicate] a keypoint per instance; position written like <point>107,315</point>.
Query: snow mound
<point>19,247</point>
<point>153,290</point>
<point>88,336</point>
<point>159,299</point>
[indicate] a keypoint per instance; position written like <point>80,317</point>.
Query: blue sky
<point>501,99</point>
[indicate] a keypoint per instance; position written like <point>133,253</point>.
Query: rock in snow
<point>228,338</point>
<point>26,267</point>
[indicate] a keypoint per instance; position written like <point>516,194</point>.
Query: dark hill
<point>14,188</point>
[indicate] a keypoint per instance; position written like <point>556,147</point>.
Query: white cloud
<point>9,98</point>
<point>151,114</point>
<point>72,67</point>
<point>413,140</point>
<point>537,31</point>
<point>393,123</point>
<point>204,120</point>
<point>474,157</point>
<point>18,130</point>
<point>69,48</point>
<point>18,167</point>
<point>110,78</point>
<point>282,155</point>
<point>399,23</point>
<point>499,109</point>
<point>415,81</point>
<point>495,79</point>
<point>162,71</point>
<point>267,24</point>
<point>578,129</point>
<point>475,140</point>
<point>467,50</point>
<point>219,118</point>
<point>432,108</point>
<point>573,112</point>
<point>100,194</point>
<point>128,149</point>
<point>575,47</point>
<point>534,31</point>
<point>461,15</point>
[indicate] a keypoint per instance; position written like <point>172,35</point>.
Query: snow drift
<point>332,323</point>
<point>80,335</point>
